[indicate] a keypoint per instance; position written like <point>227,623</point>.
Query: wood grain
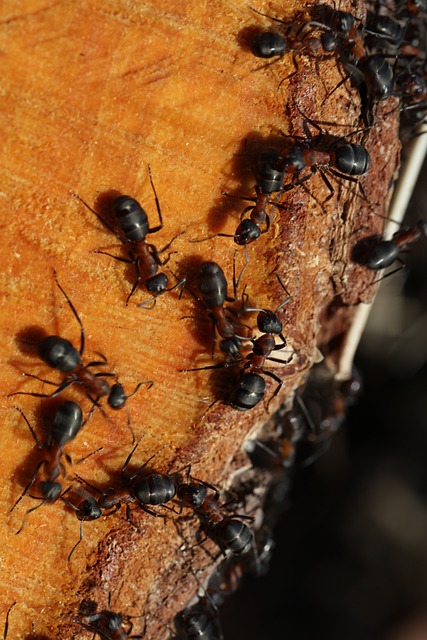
<point>92,93</point>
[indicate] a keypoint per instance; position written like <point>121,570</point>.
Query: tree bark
<point>93,93</point>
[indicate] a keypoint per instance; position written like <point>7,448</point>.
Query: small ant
<point>385,252</point>
<point>61,355</point>
<point>269,180</point>
<point>226,529</point>
<point>109,625</point>
<point>252,386</point>
<point>212,286</point>
<point>153,489</point>
<point>67,423</point>
<point>342,159</point>
<point>133,223</point>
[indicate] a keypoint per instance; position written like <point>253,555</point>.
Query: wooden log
<point>93,93</point>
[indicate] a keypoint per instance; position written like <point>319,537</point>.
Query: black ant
<point>61,355</point>
<point>109,625</point>
<point>342,159</point>
<point>212,286</point>
<point>269,180</point>
<point>252,386</point>
<point>384,252</point>
<point>133,223</point>
<point>67,423</point>
<point>299,39</point>
<point>153,489</point>
<point>227,530</point>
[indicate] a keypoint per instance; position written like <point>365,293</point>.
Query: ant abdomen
<point>131,217</point>
<point>212,284</point>
<point>155,489</point>
<point>236,536</point>
<point>59,353</point>
<point>352,159</point>
<point>250,391</point>
<point>382,256</point>
<point>67,422</point>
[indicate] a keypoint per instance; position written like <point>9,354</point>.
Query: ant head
<point>192,494</point>
<point>329,41</point>
<point>268,322</point>
<point>157,284</point>
<point>117,397</point>
<point>89,509</point>
<point>247,232</point>
<point>59,353</point>
<point>268,45</point>
<point>344,21</point>
<point>231,347</point>
<point>50,490</point>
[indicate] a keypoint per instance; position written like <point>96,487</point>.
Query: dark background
<point>350,560</point>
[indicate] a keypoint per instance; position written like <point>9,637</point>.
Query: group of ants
<point>385,57</point>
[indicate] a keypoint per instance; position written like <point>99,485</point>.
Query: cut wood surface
<point>93,93</point>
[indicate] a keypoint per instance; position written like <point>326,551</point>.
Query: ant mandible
<point>61,355</point>
<point>133,223</point>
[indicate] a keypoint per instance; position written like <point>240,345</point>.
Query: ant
<point>153,489</point>
<point>61,355</point>
<point>385,252</point>
<point>109,625</point>
<point>133,223</point>
<point>300,39</point>
<point>342,159</point>
<point>212,286</point>
<point>269,180</point>
<point>67,423</point>
<point>229,533</point>
<point>252,386</point>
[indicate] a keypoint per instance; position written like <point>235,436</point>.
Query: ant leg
<point>6,624</point>
<point>24,522</point>
<point>33,433</point>
<point>78,541</point>
<point>156,199</point>
<point>236,283</point>
<point>60,389</point>
<point>76,315</point>
<point>279,385</point>
<point>104,222</point>
<point>137,281</point>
